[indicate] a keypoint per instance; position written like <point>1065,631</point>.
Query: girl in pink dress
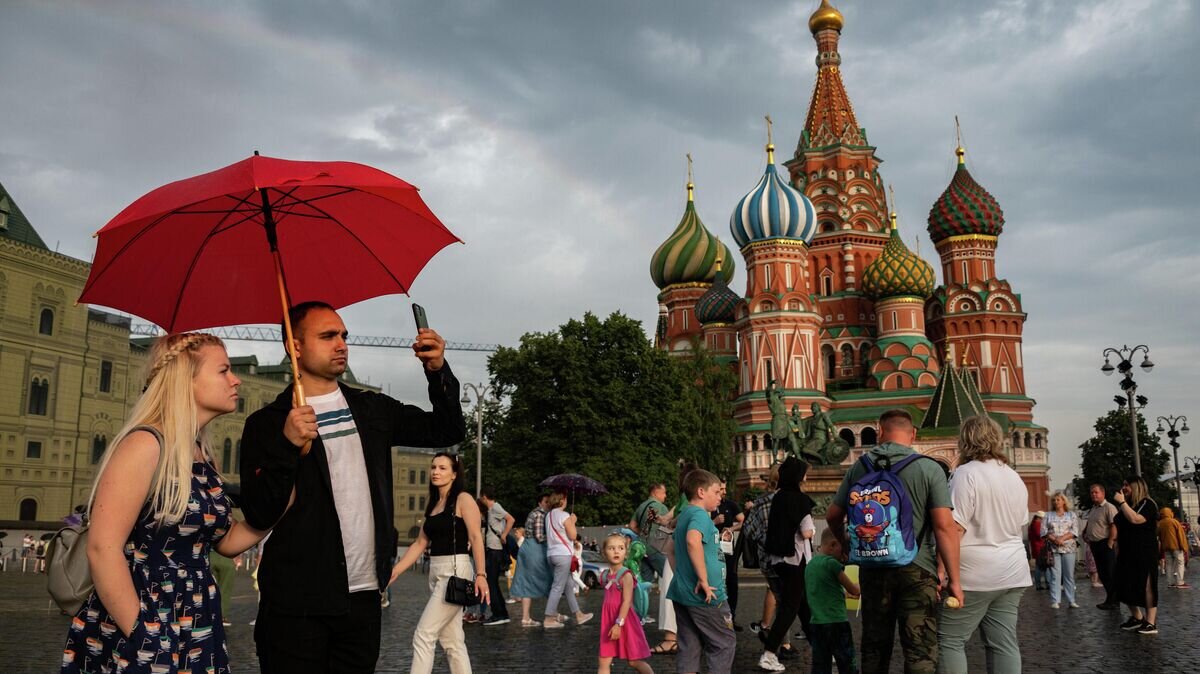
<point>621,633</point>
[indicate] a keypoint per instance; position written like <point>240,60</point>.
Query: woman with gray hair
<point>990,508</point>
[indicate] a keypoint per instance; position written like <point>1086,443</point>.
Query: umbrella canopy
<point>202,252</point>
<point>574,483</point>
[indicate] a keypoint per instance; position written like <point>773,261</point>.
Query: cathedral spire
<point>831,119</point>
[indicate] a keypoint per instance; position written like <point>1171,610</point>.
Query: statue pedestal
<point>821,485</point>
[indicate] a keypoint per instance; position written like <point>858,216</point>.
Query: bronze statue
<point>782,439</point>
<point>821,444</point>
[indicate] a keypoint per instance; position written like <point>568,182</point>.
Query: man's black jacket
<point>304,565</point>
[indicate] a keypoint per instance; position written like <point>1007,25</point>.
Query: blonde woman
<point>1137,555</point>
<point>1059,528</point>
<point>156,509</point>
<point>990,502</point>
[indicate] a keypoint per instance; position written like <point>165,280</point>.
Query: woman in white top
<point>560,531</point>
<point>1059,530</point>
<point>990,506</point>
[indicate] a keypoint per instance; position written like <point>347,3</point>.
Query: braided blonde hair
<point>169,404</point>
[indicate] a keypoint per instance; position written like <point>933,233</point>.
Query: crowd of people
<point>930,556</point>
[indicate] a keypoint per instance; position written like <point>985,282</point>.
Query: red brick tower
<point>837,169</point>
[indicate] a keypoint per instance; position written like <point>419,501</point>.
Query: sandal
<point>665,649</point>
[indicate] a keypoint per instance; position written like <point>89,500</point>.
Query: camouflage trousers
<point>906,598</point>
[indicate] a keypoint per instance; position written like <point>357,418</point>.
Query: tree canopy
<point>596,398</point>
<point>1107,459</point>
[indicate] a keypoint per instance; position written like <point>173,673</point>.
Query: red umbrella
<point>242,243</point>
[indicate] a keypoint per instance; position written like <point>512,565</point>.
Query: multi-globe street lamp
<point>1125,367</point>
<point>480,391</point>
<point>1173,434</point>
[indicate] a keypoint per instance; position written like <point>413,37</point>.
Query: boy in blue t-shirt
<point>827,585</point>
<point>703,621</point>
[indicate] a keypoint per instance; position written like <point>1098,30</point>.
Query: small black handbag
<point>459,591</point>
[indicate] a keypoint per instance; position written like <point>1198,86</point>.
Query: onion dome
<point>897,271</point>
<point>690,254</point>
<point>825,17</point>
<point>964,208</point>
<point>718,304</point>
<point>772,210</point>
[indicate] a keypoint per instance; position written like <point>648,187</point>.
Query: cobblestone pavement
<point>1066,640</point>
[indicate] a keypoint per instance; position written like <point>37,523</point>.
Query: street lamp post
<point>480,391</point>
<point>1125,367</point>
<point>1173,434</point>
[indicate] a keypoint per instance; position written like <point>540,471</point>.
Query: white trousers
<point>441,622</point>
<point>666,608</point>
<point>1175,567</point>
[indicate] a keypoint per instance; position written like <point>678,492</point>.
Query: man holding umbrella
<point>331,508</point>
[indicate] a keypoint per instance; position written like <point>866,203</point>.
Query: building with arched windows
<point>837,310</point>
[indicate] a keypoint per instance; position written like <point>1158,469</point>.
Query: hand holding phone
<point>421,320</point>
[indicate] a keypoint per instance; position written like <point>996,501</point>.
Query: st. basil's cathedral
<point>838,311</point>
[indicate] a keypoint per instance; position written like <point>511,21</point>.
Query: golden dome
<point>826,16</point>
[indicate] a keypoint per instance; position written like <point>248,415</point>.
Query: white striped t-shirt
<point>351,490</point>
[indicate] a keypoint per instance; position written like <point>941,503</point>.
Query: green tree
<point>1107,459</point>
<point>596,398</point>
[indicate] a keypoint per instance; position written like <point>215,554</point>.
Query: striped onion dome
<point>690,254</point>
<point>964,208</point>
<point>772,210</point>
<point>718,304</point>
<point>897,271</point>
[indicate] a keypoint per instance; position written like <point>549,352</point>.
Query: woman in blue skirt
<point>533,576</point>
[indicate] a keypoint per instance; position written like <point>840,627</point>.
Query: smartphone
<point>422,321</point>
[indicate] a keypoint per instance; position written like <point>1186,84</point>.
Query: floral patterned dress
<point>179,628</point>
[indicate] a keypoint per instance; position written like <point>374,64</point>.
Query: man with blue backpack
<point>890,508</point>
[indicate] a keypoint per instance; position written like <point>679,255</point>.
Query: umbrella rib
<point>155,223</point>
<point>285,209</point>
<point>365,247</point>
<point>188,276</point>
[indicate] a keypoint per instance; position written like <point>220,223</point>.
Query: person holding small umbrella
<point>326,562</point>
<point>560,531</point>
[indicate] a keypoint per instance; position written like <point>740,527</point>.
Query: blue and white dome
<point>772,210</point>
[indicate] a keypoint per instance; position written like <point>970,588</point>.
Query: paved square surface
<point>1067,640</point>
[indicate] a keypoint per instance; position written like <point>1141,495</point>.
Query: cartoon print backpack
<point>880,517</point>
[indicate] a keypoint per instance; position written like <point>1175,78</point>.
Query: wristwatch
<point>481,574</point>
<point>620,622</point>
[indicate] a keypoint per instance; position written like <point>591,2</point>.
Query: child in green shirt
<point>827,586</point>
<point>703,619</point>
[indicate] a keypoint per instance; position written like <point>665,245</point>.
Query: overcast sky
<point>551,137</point>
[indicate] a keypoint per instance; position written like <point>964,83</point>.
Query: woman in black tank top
<point>452,529</point>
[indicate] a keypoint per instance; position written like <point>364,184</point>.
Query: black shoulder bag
<point>459,591</point>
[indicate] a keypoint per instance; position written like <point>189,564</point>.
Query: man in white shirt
<point>497,524</point>
<point>331,509</point>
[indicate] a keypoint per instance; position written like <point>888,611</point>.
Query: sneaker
<point>1131,624</point>
<point>496,621</point>
<point>1074,605</point>
<point>470,618</point>
<point>510,600</point>
<point>1148,628</point>
<point>1183,586</point>
<point>769,663</point>
<point>563,618</point>
<point>584,618</point>
<point>647,620</point>
<point>253,621</point>
<point>1054,606</point>
<point>552,625</point>
<point>756,627</point>
<point>530,623</point>
<point>226,623</point>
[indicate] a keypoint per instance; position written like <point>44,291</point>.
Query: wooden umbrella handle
<point>297,387</point>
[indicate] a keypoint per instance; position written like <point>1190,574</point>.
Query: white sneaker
<point>770,663</point>
<point>1074,605</point>
<point>1054,606</point>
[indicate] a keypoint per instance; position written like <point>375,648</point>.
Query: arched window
<point>847,355</point>
<point>1028,439</point>
<point>863,355</point>
<point>1037,441</point>
<point>847,435</point>
<point>99,444</point>
<point>1016,439</point>
<point>754,443</point>
<point>869,437</point>
<point>46,322</point>
<point>226,455</point>
<point>39,396</point>
<point>827,285</point>
<point>237,456</point>
<point>830,360</point>
<point>28,510</point>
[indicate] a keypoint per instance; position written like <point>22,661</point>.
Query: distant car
<point>591,568</point>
